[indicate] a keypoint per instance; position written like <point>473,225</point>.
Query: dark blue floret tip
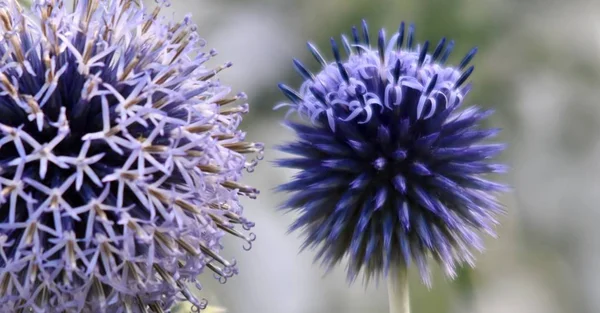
<point>467,58</point>
<point>381,45</point>
<point>302,70</point>
<point>438,49</point>
<point>400,39</point>
<point>290,93</point>
<point>464,76</point>
<point>411,33</point>
<point>355,35</point>
<point>346,44</point>
<point>447,52</point>
<point>315,52</point>
<point>423,53</point>
<point>365,33</point>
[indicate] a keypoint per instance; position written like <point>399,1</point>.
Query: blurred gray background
<point>538,65</point>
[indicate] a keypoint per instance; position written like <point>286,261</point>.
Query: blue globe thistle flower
<point>120,159</point>
<point>392,169</point>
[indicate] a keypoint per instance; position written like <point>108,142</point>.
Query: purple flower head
<point>120,157</point>
<point>392,169</point>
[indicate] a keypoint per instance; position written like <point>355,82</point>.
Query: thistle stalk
<point>398,295</point>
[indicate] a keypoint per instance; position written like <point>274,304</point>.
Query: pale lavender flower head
<point>120,159</point>
<point>392,167</point>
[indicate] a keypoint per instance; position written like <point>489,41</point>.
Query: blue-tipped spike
<point>290,93</point>
<point>335,50</point>
<point>465,61</point>
<point>411,36</point>
<point>303,71</point>
<point>431,84</point>
<point>447,52</point>
<point>346,45</point>
<point>315,52</point>
<point>438,49</point>
<point>366,32</point>
<point>396,72</point>
<point>400,39</point>
<point>355,35</point>
<point>338,60</point>
<point>423,53</point>
<point>381,45</point>
<point>318,95</point>
<point>343,72</point>
<point>464,76</point>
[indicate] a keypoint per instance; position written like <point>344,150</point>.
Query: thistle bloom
<point>119,159</point>
<point>392,169</point>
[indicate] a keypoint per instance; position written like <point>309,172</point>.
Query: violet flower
<point>120,159</point>
<point>393,169</point>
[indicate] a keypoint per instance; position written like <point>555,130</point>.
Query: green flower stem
<point>398,290</point>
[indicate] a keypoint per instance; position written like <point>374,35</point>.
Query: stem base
<point>398,290</point>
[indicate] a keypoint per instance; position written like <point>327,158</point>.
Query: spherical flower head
<point>120,159</point>
<point>392,169</point>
